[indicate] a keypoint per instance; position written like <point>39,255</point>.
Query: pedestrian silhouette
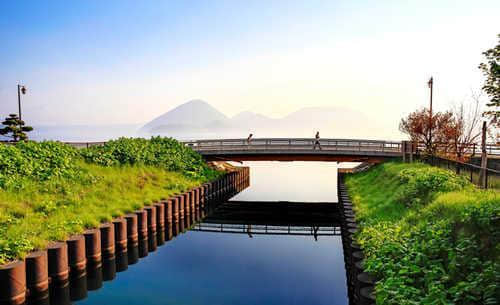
<point>316,142</point>
<point>249,138</point>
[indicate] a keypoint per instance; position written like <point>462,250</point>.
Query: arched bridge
<point>297,149</point>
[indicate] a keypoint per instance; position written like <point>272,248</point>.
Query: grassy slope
<point>52,210</point>
<point>443,252</point>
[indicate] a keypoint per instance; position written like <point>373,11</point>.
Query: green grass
<point>49,190</point>
<point>429,236</point>
<point>55,209</point>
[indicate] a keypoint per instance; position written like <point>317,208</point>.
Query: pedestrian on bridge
<point>249,138</point>
<point>316,142</point>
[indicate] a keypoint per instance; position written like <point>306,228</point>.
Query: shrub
<point>158,151</point>
<point>421,184</point>
<point>39,161</point>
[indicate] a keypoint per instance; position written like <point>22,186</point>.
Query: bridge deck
<point>296,149</point>
<point>305,149</point>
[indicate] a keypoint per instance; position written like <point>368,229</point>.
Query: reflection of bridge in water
<point>273,218</point>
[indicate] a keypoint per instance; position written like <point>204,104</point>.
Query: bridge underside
<point>296,157</point>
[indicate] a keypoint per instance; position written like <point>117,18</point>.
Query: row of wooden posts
<point>131,236</point>
<point>360,284</point>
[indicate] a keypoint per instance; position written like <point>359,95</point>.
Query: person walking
<point>316,142</point>
<point>249,138</point>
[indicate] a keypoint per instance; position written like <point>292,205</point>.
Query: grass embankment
<point>49,190</point>
<point>429,236</point>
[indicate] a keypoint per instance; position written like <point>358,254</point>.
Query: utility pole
<point>484,158</point>
<point>430,83</point>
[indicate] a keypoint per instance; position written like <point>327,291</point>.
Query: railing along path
<point>294,144</point>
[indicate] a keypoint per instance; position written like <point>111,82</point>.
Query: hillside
<point>197,119</point>
<point>195,113</point>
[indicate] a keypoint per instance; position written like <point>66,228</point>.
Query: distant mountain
<point>197,119</point>
<point>247,120</point>
<point>332,122</point>
<point>193,114</point>
<point>247,116</point>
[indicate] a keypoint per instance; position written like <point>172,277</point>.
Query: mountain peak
<point>195,112</point>
<point>196,102</point>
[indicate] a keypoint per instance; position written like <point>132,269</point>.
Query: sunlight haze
<point>127,62</point>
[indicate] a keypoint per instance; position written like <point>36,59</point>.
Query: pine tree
<point>15,128</point>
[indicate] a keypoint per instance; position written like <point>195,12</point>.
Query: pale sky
<point>90,62</point>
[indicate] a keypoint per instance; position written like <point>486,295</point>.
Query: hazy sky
<point>106,62</point>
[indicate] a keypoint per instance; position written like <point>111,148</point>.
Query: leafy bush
<point>421,183</point>
<point>158,151</point>
<point>444,252</point>
<point>40,161</point>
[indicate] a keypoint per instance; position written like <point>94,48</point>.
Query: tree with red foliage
<point>417,125</point>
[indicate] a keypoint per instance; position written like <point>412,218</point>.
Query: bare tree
<point>465,128</point>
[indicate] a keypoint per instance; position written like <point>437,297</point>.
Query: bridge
<point>297,149</point>
<point>304,149</point>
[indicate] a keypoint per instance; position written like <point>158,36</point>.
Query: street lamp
<point>21,89</point>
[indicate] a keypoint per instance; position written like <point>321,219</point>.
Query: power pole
<point>484,159</point>
<point>431,84</point>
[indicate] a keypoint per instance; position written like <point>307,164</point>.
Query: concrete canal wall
<point>72,267</point>
<point>360,284</point>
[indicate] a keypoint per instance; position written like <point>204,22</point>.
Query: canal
<point>277,242</point>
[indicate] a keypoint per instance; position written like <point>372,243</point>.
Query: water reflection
<point>273,218</point>
<point>247,250</point>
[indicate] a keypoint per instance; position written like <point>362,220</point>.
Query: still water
<point>276,242</point>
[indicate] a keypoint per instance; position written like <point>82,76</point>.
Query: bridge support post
<point>407,150</point>
<point>403,150</point>
<point>411,151</point>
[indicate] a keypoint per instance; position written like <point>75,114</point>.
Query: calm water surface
<point>247,267</point>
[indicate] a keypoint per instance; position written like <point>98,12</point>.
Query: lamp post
<point>21,89</point>
<point>430,83</point>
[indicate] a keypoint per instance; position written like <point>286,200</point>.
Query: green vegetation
<point>49,190</point>
<point>160,152</point>
<point>429,236</point>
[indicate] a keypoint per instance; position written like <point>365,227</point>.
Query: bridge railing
<point>293,144</point>
<point>267,229</point>
<point>470,171</point>
<point>471,149</point>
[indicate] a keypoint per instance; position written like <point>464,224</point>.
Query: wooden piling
<point>37,276</point>
<point>58,265</point>
<point>13,283</point>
